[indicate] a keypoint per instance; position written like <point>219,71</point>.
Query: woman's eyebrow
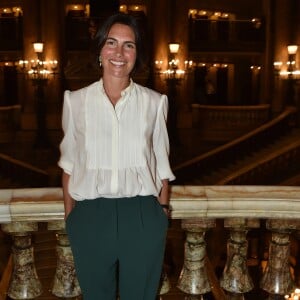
<point>112,38</point>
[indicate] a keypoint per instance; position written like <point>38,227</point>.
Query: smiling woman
<point>118,57</point>
<point>115,161</point>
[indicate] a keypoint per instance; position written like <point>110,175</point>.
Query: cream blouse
<point>119,151</point>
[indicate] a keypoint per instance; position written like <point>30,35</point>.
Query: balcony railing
<point>242,208</point>
<point>223,122</point>
<point>226,35</point>
<point>240,147</point>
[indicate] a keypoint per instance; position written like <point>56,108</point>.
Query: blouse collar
<point>124,92</point>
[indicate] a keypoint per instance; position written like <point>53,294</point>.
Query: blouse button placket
<point>115,153</point>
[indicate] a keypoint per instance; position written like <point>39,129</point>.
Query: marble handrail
<point>271,162</point>
<point>31,204</point>
<point>283,202</point>
<point>198,207</point>
<point>262,130</point>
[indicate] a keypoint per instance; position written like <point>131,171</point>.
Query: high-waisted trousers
<point>118,247</point>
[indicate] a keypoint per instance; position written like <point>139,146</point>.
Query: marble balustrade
<point>228,122</point>
<point>198,208</point>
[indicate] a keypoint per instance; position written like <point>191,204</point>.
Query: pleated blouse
<point>113,152</point>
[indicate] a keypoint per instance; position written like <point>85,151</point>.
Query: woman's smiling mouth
<point>117,63</point>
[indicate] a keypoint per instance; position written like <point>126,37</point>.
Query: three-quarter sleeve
<point>161,141</point>
<point>68,144</point>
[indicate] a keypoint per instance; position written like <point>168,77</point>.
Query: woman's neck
<point>114,87</point>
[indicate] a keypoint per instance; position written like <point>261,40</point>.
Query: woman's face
<point>118,54</point>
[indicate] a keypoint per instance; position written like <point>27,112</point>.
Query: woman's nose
<point>119,51</point>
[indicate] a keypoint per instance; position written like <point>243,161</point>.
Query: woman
<point>114,157</point>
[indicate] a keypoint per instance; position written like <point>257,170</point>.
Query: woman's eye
<point>130,45</point>
<point>111,43</point>
<point>114,44</point>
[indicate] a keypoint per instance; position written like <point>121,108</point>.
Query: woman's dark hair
<point>121,18</point>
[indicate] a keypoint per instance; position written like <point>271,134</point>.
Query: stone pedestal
<point>193,279</point>
<point>277,278</point>
<point>236,278</point>
<point>65,283</point>
<point>24,283</point>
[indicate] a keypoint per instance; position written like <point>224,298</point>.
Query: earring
<point>100,61</point>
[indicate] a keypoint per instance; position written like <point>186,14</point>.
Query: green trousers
<point>118,247</point>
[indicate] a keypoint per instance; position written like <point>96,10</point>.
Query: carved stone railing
<point>273,168</point>
<point>239,35</point>
<point>22,173</point>
<point>240,147</point>
<point>226,122</point>
<point>243,208</point>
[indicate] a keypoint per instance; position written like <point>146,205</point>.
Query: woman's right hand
<point>69,202</point>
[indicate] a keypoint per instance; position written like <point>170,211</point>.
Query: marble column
<point>277,278</point>
<point>164,283</point>
<point>236,279</point>
<point>65,283</point>
<point>24,282</point>
<point>193,279</point>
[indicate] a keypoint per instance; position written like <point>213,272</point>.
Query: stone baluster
<point>24,282</point>
<point>277,277</point>
<point>236,279</point>
<point>193,279</point>
<point>65,284</point>
<point>296,245</point>
<point>164,283</point>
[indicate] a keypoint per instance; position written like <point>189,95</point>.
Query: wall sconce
<point>38,47</point>
<point>173,72</point>
<point>173,47</point>
<point>291,71</point>
<point>158,65</point>
<point>292,50</point>
<point>277,66</point>
<point>188,64</point>
<point>173,61</point>
<point>255,69</point>
<point>38,69</point>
